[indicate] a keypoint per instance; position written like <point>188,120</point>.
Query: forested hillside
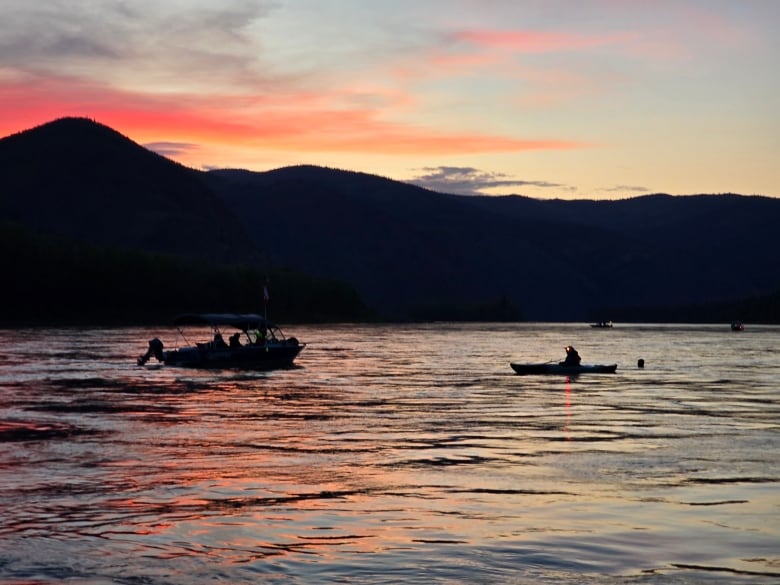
<point>56,280</point>
<point>97,228</point>
<point>409,251</point>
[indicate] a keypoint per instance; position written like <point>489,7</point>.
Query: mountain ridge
<point>78,178</point>
<point>558,260</point>
<point>405,249</point>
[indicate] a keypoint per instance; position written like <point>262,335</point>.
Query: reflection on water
<point>394,454</point>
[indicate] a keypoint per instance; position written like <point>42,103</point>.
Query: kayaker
<point>572,357</point>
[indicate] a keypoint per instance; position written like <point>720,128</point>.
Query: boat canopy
<point>243,322</point>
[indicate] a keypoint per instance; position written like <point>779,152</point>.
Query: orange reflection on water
<point>568,408</point>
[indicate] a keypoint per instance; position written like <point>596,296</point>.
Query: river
<point>394,454</point>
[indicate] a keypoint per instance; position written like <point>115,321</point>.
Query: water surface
<point>394,454</point>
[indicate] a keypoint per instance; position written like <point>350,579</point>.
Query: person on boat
<point>155,349</point>
<point>572,357</point>
<point>219,343</point>
<point>234,340</point>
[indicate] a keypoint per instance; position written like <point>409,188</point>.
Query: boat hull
<point>271,357</point>
<point>265,346</point>
<point>561,369</point>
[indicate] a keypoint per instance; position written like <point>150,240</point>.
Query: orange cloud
<point>301,122</point>
<point>464,61</point>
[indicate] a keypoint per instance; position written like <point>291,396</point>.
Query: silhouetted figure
<point>234,340</point>
<point>155,349</point>
<point>572,357</point>
<point>219,343</point>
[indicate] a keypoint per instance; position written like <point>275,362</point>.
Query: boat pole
<point>265,299</point>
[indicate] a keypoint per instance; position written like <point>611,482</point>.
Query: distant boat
<point>562,369</point>
<point>257,344</point>
<point>737,326</point>
<point>602,325</point>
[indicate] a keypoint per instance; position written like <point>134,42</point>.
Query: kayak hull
<point>561,369</point>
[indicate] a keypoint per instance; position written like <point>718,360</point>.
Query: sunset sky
<point>547,98</point>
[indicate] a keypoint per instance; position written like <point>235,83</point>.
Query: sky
<point>567,99</point>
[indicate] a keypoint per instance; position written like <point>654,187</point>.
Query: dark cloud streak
<point>171,149</point>
<point>630,188</point>
<point>471,181</point>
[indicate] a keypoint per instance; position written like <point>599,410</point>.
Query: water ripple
<point>380,461</point>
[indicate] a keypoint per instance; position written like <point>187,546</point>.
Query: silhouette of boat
<point>257,344</point>
<point>562,369</point>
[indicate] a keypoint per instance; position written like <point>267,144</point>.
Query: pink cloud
<point>536,41</point>
<point>304,122</point>
<point>466,61</point>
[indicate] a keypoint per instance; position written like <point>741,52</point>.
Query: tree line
<point>55,280</point>
<point>49,279</point>
<point>759,309</point>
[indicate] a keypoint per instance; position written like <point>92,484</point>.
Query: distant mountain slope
<point>401,246</point>
<point>405,247</point>
<point>407,251</point>
<point>674,249</point>
<point>81,179</point>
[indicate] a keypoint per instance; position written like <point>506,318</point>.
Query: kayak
<point>561,369</point>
